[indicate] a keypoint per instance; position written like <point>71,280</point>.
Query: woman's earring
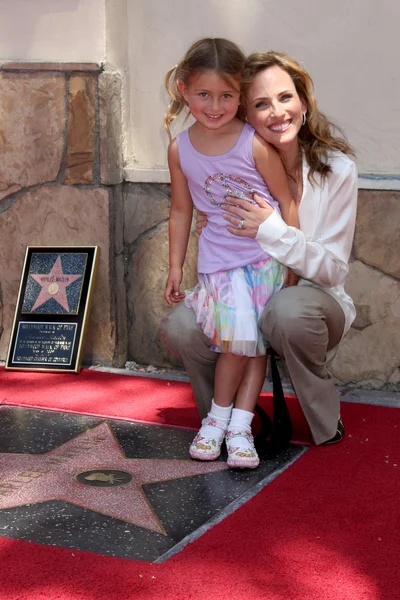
<point>304,118</point>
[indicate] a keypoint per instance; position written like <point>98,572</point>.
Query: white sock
<point>222,413</point>
<point>241,419</point>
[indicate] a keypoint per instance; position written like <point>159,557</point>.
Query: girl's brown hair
<point>318,136</point>
<point>208,54</point>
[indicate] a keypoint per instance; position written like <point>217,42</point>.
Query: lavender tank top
<point>210,179</point>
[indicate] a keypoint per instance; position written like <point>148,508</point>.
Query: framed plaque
<point>52,308</point>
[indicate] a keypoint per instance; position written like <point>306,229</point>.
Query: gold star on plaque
<point>53,285</point>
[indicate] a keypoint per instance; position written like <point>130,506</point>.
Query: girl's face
<point>274,108</point>
<point>212,101</point>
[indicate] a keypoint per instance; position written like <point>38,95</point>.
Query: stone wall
<point>369,355</point>
<point>146,209</point>
<point>60,184</point>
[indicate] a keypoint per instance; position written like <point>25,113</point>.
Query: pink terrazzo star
<point>53,285</point>
<point>31,478</point>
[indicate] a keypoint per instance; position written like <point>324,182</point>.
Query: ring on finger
<point>241,224</point>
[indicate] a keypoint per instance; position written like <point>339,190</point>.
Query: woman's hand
<point>173,295</point>
<point>201,221</point>
<point>246,217</point>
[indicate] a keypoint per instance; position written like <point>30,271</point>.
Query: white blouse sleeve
<point>323,260</point>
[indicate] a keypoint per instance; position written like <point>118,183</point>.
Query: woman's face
<point>274,108</point>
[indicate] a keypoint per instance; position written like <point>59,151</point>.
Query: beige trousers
<point>301,323</point>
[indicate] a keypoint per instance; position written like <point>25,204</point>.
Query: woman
<point>304,324</point>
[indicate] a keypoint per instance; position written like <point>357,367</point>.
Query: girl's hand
<point>246,217</point>
<point>172,292</point>
<point>201,221</point>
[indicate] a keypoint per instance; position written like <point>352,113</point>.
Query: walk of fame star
<point>34,478</point>
<point>53,285</point>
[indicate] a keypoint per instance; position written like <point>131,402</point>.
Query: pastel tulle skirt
<point>228,305</point>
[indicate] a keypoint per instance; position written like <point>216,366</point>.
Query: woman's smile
<point>281,126</point>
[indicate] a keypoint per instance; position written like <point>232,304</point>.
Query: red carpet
<point>102,394</point>
<point>118,396</point>
<point>326,529</point>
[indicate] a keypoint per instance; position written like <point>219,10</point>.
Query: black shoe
<point>338,435</point>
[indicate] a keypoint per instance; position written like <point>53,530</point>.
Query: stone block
<point>32,122</point>
<point>12,189</point>
<point>395,377</point>
<point>81,130</point>
<point>146,281</point>
<point>61,215</point>
<point>110,106</point>
<point>373,293</point>
<point>145,205</point>
<point>369,357</point>
<point>370,353</point>
<point>377,235</point>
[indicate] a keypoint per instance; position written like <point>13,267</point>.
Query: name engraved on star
<point>47,279</point>
<point>24,478</point>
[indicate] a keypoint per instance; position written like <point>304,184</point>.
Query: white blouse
<point>319,252</point>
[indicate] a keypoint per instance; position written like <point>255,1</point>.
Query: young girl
<point>220,155</point>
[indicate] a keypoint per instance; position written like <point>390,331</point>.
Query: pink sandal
<point>241,451</point>
<point>207,443</point>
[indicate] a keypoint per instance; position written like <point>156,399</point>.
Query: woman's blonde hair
<point>208,54</point>
<point>318,136</point>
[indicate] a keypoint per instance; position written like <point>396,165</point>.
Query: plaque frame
<point>63,356</point>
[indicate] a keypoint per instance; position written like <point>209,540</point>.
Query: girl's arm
<point>271,168</point>
<point>180,218</point>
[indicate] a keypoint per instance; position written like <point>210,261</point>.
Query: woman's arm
<point>180,218</point>
<point>323,260</point>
